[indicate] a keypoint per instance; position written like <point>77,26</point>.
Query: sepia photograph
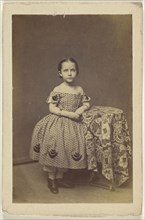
<point>74,99</point>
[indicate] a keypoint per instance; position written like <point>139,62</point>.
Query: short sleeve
<point>85,99</point>
<point>53,98</point>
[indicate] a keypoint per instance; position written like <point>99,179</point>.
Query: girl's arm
<point>83,108</point>
<point>55,110</point>
<point>85,103</point>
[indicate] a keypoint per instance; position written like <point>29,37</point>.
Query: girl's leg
<point>59,173</point>
<point>52,175</point>
<point>60,180</point>
<point>52,184</point>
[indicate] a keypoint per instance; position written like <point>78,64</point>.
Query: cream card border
<point>63,8</point>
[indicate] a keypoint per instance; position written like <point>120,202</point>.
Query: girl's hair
<point>71,60</point>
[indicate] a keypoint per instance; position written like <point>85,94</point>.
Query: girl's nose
<point>69,73</point>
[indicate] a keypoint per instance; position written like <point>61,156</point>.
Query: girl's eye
<point>73,70</point>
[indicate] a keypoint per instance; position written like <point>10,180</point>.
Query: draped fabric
<point>108,142</point>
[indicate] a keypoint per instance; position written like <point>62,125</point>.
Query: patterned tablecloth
<point>108,142</point>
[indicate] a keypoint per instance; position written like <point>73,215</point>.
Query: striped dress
<point>58,141</point>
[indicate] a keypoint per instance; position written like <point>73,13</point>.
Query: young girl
<point>58,139</point>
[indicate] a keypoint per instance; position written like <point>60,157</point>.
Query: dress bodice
<point>66,101</point>
<point>70,102</point>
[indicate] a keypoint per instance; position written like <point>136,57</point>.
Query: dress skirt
<point>59,141</point>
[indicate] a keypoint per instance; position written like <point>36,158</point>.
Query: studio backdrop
<point>102,46</point>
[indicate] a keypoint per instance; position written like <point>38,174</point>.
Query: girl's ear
<point>59,73</point>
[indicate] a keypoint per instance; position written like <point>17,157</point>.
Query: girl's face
<point>68,71</point>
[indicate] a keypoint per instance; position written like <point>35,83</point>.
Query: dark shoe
<point>52,186</point>
<point>63,184</point>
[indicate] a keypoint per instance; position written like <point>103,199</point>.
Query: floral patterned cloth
<point>108,142</point>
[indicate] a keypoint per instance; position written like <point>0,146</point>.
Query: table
<point>108,142</point>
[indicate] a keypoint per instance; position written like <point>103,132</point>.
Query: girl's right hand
<point>75,116</point>
<point>72,115</point>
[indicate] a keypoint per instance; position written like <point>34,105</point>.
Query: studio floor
<point>30,186</point>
